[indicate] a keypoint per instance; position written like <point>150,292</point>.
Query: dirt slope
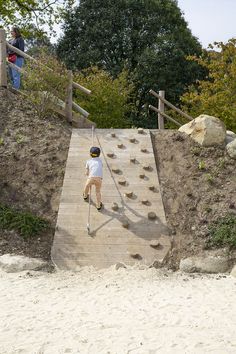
<point>33,154</point>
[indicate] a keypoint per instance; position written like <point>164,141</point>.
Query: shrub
<point>223,232</point>
<point>25,223</point>
<point>45,82</point>
<point>108,104</point>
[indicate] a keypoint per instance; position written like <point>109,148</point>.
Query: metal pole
<point>161,107</point>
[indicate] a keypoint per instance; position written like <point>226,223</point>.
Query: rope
<point>90,189</point>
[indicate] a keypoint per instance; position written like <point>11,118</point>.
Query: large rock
<point>230,136</point>
<point>12,264</point>
<point>205,264</point>
<point>206,130</point>
<point>231,149</point>
<point>233,272</point>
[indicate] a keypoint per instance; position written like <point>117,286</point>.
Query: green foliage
<point>32,14</point>
<point>201,165</point>
<point>216,94</point>
<point>1,141</point>
<point>45,83</point>
<point>26,224</point>
<point>108,104</point>
<point>223,232</point>
<point>148,37</point>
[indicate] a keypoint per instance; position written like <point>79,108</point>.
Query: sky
<point>210,20</point>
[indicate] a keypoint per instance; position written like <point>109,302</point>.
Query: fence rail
<point>70,105</point>
<point>161,110</point>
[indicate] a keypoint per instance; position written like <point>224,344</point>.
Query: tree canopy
<point>216,94</point>
<point>149,38</point>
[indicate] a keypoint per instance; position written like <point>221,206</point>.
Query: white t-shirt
<point>94,166</point>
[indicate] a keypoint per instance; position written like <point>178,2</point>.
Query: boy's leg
<point>88,184</point>
<point>98,185</point>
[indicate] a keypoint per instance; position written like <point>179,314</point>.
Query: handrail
<point>171,105</point>
<point>164,115</point>
<point>27,56</point>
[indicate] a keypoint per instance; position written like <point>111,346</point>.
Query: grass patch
<point>27,224</point>
<point>223,232</point>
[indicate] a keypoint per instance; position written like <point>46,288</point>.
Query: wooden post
<point>68,103</point>
<point>161,107</point>
<point>3,54</point>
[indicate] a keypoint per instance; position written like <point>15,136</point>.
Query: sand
<point>126,311</point>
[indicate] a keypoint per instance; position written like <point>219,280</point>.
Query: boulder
<point>231,149</point>
<point>230,136</point>
<point>233,271</point>
<point>206,130</point>
<point>205,264</point>
<point>12,264</point>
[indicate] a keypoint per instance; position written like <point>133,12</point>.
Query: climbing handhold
<point>132,139</point>
<point>140,131</point>
<point>125,224</point>
<point>115,206</point>
<point>145,201</point>
<point>155,244</point>
<point>143,149</point>
<point>151,187</point>
<point>113,135</point>
<point>122,181</point>
<point>110,154</point>
<point>128,194</point>
<point>136,256</point>
<point>146,167</point>
<point>120,146</point>
<point>132,159</point>
<point>115,169</point>
<point>152,215</point>
<point>142,175</point>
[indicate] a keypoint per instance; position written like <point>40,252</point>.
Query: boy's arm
<point>87,169</point>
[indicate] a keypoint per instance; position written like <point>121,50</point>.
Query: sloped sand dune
<point>126,311</point>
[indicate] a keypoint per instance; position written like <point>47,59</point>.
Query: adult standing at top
<point>18,42</point>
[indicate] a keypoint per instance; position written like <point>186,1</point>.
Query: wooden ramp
<point>129,234</point>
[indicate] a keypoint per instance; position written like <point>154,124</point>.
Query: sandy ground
<point>125,311</point>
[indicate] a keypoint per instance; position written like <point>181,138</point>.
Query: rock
<point>230,136</point>
<point>233,271</point>
<point>119,265</point>
<point>205,264</point>
<point>231,149</point>
<point>12,263</point>
<point>140,131</point>
<point>206,130</point>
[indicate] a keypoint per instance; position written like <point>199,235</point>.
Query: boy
<point>94,173</point>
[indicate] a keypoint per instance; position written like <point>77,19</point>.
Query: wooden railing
<point>161,110</point>
<point>68,106</point>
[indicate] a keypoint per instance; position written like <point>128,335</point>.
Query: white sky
<point>210,20</point>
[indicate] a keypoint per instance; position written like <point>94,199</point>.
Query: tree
<point>26,12</point>
<point>108,104</point>
<point>148,37</point>
<point>216,94</point>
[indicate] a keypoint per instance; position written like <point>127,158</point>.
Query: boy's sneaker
<point>99,207</point>
<point>85,197</point>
